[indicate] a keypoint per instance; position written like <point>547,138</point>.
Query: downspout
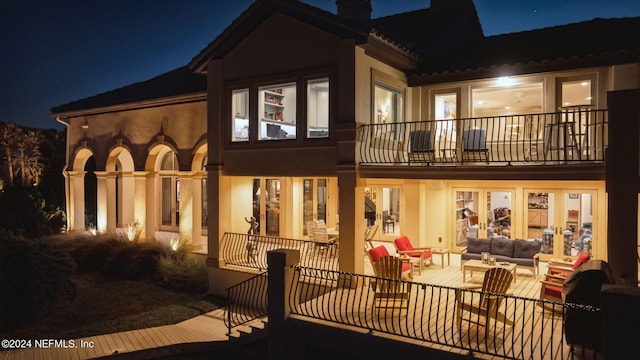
<point>65,172</point>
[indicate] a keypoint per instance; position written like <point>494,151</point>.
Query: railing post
<point>280,274</point>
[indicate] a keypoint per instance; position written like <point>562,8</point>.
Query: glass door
<point>482,213</point>
<point>315,201</point>
<point>562,219</point>
<point>382,207</point>
<point>266,206</point>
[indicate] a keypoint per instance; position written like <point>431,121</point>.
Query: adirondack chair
<point>483,307</point>
<point>390,291</point>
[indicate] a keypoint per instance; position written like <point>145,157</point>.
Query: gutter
<point>65,171</point>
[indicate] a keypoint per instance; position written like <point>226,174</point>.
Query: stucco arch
<point>117,191</point>
<point>80,158</point>
<point>122,155</point>
<point>199,154</point>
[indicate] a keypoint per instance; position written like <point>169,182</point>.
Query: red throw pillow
<point>584,256</point>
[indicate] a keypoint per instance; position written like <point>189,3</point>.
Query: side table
<point>442,253</point>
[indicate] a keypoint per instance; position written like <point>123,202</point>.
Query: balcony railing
<point>570,136</point>
<point>251,251</point>
<point>537,329</point>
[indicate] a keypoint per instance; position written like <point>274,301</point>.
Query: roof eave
<point>453,75</point>
<point>165,101</point>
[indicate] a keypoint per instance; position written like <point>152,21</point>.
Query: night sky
<point>56,51</point>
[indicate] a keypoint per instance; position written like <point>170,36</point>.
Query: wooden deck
<point>153,342</point>
<point>429,318</point>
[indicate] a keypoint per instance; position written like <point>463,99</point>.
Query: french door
<point>483,213</point>
<point>563,219</point>
<point>383,207</point>
<point>266,205</point>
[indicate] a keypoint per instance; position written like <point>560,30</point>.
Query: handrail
<point>568,136</point>
<point>539,328</point>
<point>251,251</point>
<point>246,301</point>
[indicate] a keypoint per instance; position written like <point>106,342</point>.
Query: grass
<point>104,305</point>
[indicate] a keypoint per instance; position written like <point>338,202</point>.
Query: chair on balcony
<point>483,307</point>
<point>380,251</point>
<point>404,247</point>
<point>389,289</point>
<point>474,145</point>
<point>558,272</point>
<point>421,147</point>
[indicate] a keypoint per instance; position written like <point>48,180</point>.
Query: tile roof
<point>590,43</point>
<point>181,81</point>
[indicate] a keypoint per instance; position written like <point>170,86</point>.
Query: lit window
<point>388,105</point>
<point>277,109</point>
<point>318,108</point>
<point>576,93</point>
<point>240,115</point>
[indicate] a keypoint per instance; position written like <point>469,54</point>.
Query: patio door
<point>314,201</point>
<point>482,213</point>
<point>383,207</point>
<point>563,219</point>
<point>266,205</point>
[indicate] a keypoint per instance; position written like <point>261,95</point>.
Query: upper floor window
<point>240,115</point>
<point>318,108</point>
<point>277,111</point>
<point>577,93</point>
<point>389,104</point>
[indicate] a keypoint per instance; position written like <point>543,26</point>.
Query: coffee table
<point>477,265</point>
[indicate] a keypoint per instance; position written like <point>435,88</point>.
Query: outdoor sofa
<point>524,253</point>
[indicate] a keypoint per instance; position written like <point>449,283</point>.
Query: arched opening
<point>90,194</point>
<point>120,190</point>
<point>169,191</point>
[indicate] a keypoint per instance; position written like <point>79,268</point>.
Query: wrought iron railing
<point>537,329</point>
<point>569,136</point>
<point>251,251</point>
<point>246,301</point>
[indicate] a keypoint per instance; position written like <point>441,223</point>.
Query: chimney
<point>445,4</point>
<point>355,10</point>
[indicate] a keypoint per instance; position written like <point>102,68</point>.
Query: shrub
<point>134,261</point>
<point>188,272</point>
<point>32,273</point>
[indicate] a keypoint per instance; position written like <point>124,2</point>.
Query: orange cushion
<point>406,266</point>
<point>584,256</point>
<point>378,252</point>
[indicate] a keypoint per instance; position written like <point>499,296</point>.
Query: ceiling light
<point>584,83</point>
<point>505,81</point>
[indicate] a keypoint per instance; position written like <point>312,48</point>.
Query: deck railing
<point>540,329</point>
<point>251,251</point>
<point>246,301</point>
<point>568,136</point>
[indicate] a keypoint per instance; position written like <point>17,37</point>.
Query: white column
<point>76,200</point>
<point>140,202</point>
<point>111,202</point>
<point>101,201</point>
<point>185,227</point>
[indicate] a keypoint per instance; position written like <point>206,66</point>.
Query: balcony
<point>571,136</point>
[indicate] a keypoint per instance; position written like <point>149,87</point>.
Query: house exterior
<point>416,122</point>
